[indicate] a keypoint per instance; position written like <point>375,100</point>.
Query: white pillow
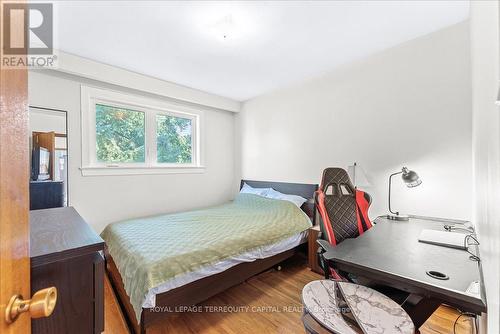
<point>246,189</point>
<point>297,200</point>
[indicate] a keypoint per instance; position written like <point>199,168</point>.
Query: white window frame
<point>90,96</point>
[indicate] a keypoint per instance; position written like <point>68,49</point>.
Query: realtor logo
<point>28,35</point>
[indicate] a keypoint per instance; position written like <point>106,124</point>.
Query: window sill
<point>153,170</point>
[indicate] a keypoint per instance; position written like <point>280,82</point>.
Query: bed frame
<point>202,289</point>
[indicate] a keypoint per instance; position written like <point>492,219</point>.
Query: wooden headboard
<point>300,189</point>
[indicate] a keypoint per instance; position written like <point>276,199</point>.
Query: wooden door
<point>47,140</point>
<point>17,306</point>
<point>14,199</point>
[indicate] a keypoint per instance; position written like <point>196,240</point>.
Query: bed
<point>159,265</point>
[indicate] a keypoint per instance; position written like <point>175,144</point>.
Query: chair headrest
<point>336,182</point>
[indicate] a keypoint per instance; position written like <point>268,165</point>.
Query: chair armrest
<point>324,245</point>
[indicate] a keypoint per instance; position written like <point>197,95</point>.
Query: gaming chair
<point>343,213</point>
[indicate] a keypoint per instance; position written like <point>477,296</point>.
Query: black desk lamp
<point>411,179</point>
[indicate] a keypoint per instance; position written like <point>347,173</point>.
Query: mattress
<point>156,254</point>
<point>212,269</point>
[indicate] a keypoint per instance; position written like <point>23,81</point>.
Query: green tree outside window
<point>120,134</point>
<point>174,139</point>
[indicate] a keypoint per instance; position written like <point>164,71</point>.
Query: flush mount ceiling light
<point>231,23</point>
<point>225,27</point>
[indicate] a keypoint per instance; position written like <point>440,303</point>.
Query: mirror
<point>49,158</point>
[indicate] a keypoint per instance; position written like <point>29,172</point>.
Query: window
<point>174,140</point>
<point>125,134</point>
<point>120,134</point>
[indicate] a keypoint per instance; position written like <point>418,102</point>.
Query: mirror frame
<point>67,143</point>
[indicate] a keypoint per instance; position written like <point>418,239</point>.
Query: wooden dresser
<point>66,253</point>
<point>46,194</point>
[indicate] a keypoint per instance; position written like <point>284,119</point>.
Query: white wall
<point>407,106</point>
<point>42,120</point>
<point>104,199</point>
<point>485,38</point>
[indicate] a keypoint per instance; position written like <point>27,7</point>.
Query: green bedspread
<point>150,251</point>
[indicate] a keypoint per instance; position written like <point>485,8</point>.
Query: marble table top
<point>320,302</point>
<point>374,312</point>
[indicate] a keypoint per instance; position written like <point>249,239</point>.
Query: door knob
<point>41,305</point>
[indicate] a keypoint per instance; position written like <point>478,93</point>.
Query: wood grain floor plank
<point>114,321</point>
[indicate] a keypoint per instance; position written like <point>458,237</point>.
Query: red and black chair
<point>343,212</point>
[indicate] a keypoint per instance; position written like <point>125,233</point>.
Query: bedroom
<point>132,114</point>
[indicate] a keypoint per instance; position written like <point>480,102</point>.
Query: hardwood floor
<point>114,321</point>
<point>267,303</point>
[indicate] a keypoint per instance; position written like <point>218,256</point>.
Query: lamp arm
<point>390,183</point>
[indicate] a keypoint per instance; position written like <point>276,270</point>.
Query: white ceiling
<point>269,44</point>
